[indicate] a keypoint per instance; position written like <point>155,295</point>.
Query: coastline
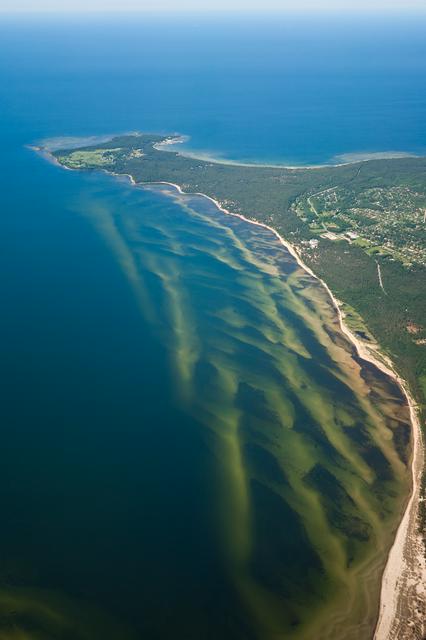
<point>398,572</point>
<point>405,567</point>
<point>45,153</point>
<point>344,159</point>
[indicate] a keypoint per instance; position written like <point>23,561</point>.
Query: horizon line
<point>413,10</point>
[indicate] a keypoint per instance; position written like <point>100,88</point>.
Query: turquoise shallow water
<point>110,471</point>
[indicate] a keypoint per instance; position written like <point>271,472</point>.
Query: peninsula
<point>360,228</point>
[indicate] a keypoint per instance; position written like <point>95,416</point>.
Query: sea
<point>187,450</point>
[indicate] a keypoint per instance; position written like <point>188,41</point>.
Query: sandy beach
<point>338,161</point>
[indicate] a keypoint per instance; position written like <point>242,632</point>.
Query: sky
<point>213,5</point>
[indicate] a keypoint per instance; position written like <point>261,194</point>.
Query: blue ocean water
<point>294,89</point>
<point>79,370</point>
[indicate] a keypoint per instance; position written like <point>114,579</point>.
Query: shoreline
<point>205,157</point>
<point>398,573</point>
<point>342,160</point>
<point>392,581</point>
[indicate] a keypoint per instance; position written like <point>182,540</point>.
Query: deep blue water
<point>290,89</point>
<point>79,370</point>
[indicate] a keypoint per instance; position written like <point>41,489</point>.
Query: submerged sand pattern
<point>310,445</point>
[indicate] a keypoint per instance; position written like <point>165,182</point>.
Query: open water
<point>188,449</point>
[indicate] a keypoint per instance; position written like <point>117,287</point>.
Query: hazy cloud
<point>208,5</point>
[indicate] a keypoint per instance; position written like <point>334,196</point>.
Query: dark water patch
<point>388,397</point>
<point>339,338</point>
<point>370,452</point>
<point>376,460</point>
<point>283,558</point>
<point>326,373</point>
<point>385,384</point>
<point>205,374</point>
<point>262,465</point>
<point>341,511</point>
<point>254,403</point>
<point>314,432</point>
<point>402,434</point>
